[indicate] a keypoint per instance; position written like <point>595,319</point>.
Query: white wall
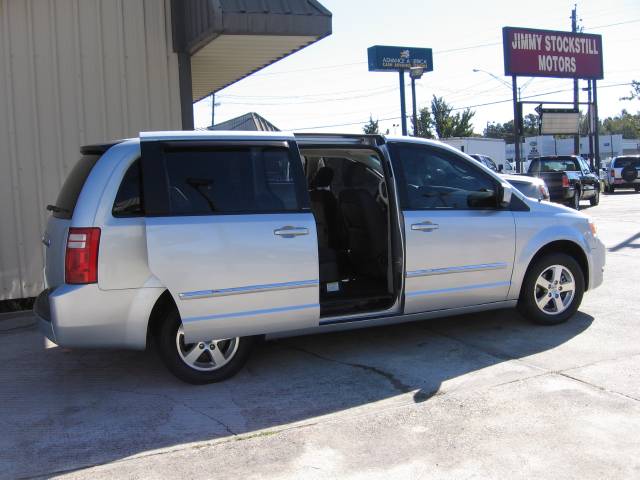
<point>72,72</point>
<point>494,148</point>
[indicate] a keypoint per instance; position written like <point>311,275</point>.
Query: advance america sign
<point>546,53</point>
<point>383,58</point>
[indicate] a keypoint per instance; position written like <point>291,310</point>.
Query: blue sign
<point>384,58</point>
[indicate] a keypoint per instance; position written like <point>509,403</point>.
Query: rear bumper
<point>621,183</point>
<point>83,316</point>
<point>42,311</point>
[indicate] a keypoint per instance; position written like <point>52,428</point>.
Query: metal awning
<point>248,122</point>
<point>230,39</point>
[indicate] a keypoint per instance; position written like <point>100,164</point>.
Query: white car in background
<point>531,187</point>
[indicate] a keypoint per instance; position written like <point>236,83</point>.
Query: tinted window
<point>230,180</point>
<point>128,201</point>
<point>439,180</point>
<point>68,196</point>
<point>555,165</point>
<point>626,162</point>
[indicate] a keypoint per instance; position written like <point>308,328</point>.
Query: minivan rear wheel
<point>552,289</point>
<point>202,362</point>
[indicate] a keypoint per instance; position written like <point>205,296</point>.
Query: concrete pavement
<point>477,396</point>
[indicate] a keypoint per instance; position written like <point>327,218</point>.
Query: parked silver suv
<point>203,242</point>
<point>623,172</point>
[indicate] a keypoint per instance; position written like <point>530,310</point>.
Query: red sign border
<point>507,49</point>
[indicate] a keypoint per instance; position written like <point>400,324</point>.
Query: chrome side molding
<point>464,269</point>
<point>270,287</point>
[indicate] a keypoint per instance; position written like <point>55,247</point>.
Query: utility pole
<point>516,124</point>
<point>576,99</point>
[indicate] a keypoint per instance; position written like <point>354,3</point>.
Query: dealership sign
<point>383,58</point>
<point>546,53</point>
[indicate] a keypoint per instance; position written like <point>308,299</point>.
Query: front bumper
<point>597,260</point>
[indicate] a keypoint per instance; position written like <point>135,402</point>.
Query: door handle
<point>425,226</point>
<point>290,232</point>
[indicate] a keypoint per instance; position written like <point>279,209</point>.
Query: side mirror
<point>504,195</point>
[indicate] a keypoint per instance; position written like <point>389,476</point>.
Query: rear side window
<point>627,162</point>
<point>128,201</point>
<point>218,180</point>
<point>68,196</point>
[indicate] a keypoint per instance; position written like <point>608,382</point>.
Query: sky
<point>326,86</point>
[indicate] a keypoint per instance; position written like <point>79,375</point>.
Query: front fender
<point>534,232</point>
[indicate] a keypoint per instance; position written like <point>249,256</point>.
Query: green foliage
<point>448,125</point>
<point>625,123</point>
<point>424,128</point>
<point>505,130</point>
<point>371,127</point>
<point>635,91</point>
<point>441,122</point>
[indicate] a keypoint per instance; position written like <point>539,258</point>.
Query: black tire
<point>168,351</point>
<point>612,189</point>
<point>637,189</point>
<point>575,201</point>
<point>527,303</point>
<point>595,200</point>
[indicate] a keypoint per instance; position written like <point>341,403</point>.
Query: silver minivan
<point>202,243</point>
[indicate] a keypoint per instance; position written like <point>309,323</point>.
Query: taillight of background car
<point>81,258</point>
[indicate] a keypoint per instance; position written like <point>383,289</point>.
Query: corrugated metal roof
<point>230,39</point>
<point>251,122</point>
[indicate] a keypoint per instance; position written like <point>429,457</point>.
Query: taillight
<point>565,181</point>
<point>613,173</point>
<point>81,258</point>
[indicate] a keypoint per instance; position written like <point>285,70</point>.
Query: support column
<point>403,108</point>
<point>516,121</point>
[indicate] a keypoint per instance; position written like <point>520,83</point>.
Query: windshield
<point>567,164</point>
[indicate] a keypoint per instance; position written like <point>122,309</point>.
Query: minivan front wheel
<point>202,362</point>
<point>552,289</point>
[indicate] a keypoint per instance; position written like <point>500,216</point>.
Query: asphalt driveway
<point>478,396</point>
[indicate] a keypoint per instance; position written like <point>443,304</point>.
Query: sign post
<point>385,58</point>
<point>403,108</point>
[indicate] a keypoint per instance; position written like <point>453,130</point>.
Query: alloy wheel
<point>554,290</point>
<point>206,356</point>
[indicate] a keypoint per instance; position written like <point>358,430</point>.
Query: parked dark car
<point>569,179</point>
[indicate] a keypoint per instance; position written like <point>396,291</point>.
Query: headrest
<point>323,177</point>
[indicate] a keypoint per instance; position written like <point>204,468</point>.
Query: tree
<point>635,91</point>
<point>625,123</point>
<point>446,124</point>
<point>424,128</point>
<point>371,127</point>
<point>505,130</point>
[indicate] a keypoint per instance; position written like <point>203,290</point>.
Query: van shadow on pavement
<point>64,410</point>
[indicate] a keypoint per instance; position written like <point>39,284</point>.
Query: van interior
<point>350,203</point>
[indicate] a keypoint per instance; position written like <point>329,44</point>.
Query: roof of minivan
<point>204,134</point>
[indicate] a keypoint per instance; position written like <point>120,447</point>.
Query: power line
<point>614,24</point>
<point>458,108</point>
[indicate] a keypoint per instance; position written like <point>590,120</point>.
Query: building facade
<point>76,72</point>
